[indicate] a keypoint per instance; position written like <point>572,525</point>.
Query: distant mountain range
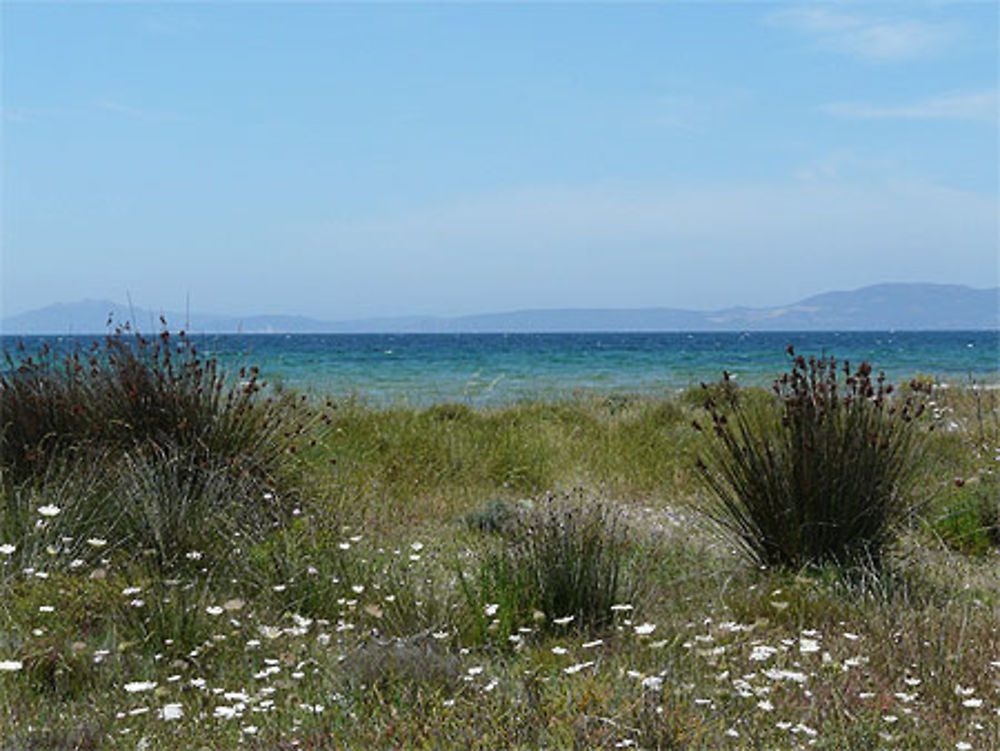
<point>877,308</point>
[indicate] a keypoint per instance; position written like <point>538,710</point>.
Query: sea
<point>493,369</point>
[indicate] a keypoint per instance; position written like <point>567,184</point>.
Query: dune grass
<point>526,576</point>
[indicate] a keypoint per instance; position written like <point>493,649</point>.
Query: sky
<point>347,161</point>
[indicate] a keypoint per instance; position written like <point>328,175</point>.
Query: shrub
<point>562,558</point>
<point>177,453</point>
<point>816,475</point>
<point>132,390</point>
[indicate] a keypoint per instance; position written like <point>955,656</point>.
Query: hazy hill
<point>92,316</point>
<point>879,307</point>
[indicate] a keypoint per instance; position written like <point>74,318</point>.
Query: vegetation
<point>818,475</point>
<point>186,562</point>
<point>148,443</point>
<point>557,563</point>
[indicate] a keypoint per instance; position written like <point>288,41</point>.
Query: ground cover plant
<point>536,575</point>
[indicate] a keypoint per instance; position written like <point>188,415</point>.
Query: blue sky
<point>345,161</point>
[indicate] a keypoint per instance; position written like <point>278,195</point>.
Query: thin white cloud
<point>980,106</point>
<point>860,36</point>
<point>817,20</point>
<point>850,219</point>
<point>117,107</point>
<point>844,165</point>
<point>19,114</point>
<point>15,115</point>
<point>689,111</point>
<point>169,25</point>
<point>689,247</point>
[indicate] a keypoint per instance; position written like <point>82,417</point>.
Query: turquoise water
<point>498,368</point>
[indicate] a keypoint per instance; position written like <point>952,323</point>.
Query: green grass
<point>408,465</point>
<point>154,610</point>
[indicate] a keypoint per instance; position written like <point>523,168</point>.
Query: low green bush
<point>559,559</point>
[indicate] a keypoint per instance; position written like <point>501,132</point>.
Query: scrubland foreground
<point>188,560</point>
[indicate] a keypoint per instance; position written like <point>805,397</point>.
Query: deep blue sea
<point>498,368</point>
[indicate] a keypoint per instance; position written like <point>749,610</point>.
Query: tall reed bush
<point>185,453</point>
<point>131,390</point>
<point>819,473</point>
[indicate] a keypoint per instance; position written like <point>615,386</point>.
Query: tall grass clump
<point>559,559</point>
<point>178,452</point>
<point>133,390</point>
<point>817,475</point>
